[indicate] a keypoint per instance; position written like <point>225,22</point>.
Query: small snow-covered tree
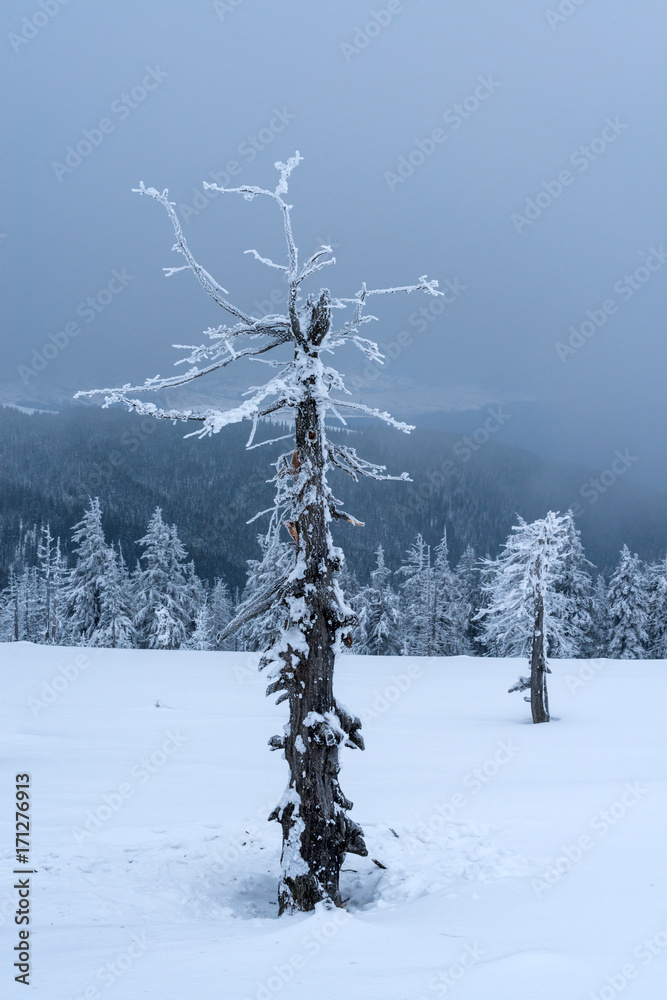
<point>162,594</point>
<point>525,610</point>
<point>202,636</point>
<point>417,600</point>
<point>449,614</point>
<point>277,559</point>
<point>222,612</point>
<point>379,618</point>
<point>657,609</point>
<point>469,600</point>
<point>575,638</point>
<point>627,602</point>
<point>86,579</point>
<point>116,627</point>
<point>317,831</point>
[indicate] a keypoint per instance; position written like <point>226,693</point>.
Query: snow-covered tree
<point>163,596</point>
<point>449,626</point>
<point>417,600</point>
<point>378,632</point>
<point>116,627</point>
<point>469,600</point>
<point>525,610</point>
<point>277,559</point>
<point>575,583</point>
<point>600,616</point>
<point>86,579</point>
<point>202,636</point>
<point>317,831</point>
<point>222,612</point>
<point>628,606</point>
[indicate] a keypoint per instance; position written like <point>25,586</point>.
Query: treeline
<point>426,606</point>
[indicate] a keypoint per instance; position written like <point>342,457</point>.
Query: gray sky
<point>567,110</point>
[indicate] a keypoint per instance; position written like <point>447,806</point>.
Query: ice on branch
<point>307,618</point>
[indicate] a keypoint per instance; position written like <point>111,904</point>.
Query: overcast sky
<point>512,151</point>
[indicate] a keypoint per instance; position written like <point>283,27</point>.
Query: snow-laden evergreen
<point>87,579</point>
<point>526,612</point>
<point>628,609</point>
<point>378,632</point>
<point>164,588</point>
<point>575,638</point>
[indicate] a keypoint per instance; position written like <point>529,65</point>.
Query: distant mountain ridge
<point>50,463</point>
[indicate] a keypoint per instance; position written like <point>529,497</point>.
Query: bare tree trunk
<point>317,832</point>
<point>539,700</point>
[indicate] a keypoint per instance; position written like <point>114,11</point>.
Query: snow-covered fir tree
<point>222,612</point>
<point>449,616</point>
<point>628,609</point>
<point>525,611</point>
<point>202,635</point>
<point>417,601</point>
<point>277,558</point>
<point>469,601</point>
<point>657,609</point>
<point>378,632</point>
<point>86,579</point>
<point>575,639</point>
<point>116,626</point>
<point>600,616</point>
<point>163,590</point>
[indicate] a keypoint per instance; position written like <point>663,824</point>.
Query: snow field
<point>520,861</point>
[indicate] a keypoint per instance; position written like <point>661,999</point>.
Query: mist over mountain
<point>50,463</point>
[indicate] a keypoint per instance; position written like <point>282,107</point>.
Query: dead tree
<point>299,660</point>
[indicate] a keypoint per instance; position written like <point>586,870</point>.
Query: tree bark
<point>317,832</point>
<point>539,700</point>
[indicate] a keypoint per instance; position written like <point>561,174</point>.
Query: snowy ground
<point>522,861</point>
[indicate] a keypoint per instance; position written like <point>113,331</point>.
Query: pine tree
<point>575,638</point>
<point>86,580</point>
<point>627,601</point>
<point>162,595</point>
<point>377,609</point>
<point>525,611</point>
<point>417,601</point>
<point>116,628</point>
<point>657,607</point>
<point>202,635</point>
<point>470,601</point>
<point>222,612</point>
<point>263,575</point>
<point>600,616</point>
<point>448,612</point>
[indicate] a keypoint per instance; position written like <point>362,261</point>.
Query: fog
<point>514,151</point>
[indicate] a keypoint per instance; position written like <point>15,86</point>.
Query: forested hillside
<point>51,463</point>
